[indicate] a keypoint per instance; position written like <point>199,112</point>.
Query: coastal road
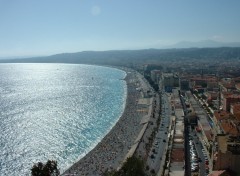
<point>161,140</point>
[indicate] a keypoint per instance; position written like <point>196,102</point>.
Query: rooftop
<point>220,115</point>
<point>231,96</point>
<point>177,155</point>
<point>228,143</point>
<point>222,143</point>
<point>229,128</point>
<point>219,173</point>
<point>236,107</point>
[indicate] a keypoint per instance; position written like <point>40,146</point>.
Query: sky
<point>46,27</point>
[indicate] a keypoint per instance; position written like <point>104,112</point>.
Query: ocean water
<point>55,111</point>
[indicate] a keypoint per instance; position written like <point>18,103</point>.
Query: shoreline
<point>110,152</point>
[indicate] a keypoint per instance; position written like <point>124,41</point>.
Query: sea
<point>55,111</point>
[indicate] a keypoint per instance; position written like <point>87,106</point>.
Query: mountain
<point>129,57</point>
<point>203,44</point>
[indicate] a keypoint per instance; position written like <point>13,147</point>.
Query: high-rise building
<point>169,81</point>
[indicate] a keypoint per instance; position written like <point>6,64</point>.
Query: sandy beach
<point>111,151</point>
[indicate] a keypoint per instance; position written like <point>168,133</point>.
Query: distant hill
<point>123,57</point>
<point>203,44</point>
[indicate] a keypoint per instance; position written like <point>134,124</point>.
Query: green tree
<point>133,167</point>
<point>48,169</point>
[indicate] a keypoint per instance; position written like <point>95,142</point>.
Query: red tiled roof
<point>221,115</point>
<point>229,128</point>
<point>231,96</point>
<point>236,107</point>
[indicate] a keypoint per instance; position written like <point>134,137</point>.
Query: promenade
<point>110,153</point>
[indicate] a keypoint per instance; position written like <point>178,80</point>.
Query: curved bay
<point>55,111</point>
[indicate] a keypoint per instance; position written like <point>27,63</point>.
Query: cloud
<point>95,10</point>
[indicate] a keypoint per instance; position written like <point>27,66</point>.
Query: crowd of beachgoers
<point>110,152</point>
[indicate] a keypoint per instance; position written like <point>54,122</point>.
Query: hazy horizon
<point>42,28</point>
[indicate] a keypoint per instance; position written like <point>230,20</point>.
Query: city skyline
<point>33,28</point>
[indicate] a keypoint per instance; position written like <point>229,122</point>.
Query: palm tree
<point>48,169</point>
